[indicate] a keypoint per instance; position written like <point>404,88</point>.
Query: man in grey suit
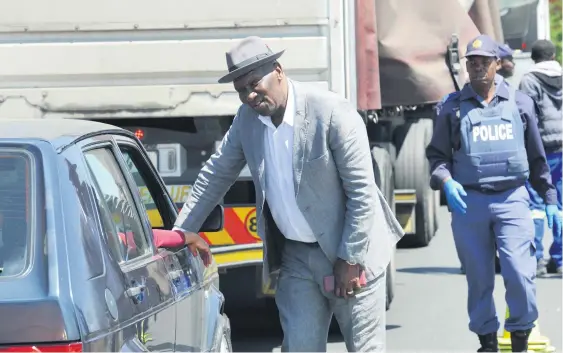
<point>323,221</point>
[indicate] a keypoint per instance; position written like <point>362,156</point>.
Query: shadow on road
<point>431,270</point>
<point>550,276</point>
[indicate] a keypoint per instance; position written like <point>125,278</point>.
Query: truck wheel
<point>412,172</point>
<point>384,174</point>
<point>384,178</point>
<point>436,211</point>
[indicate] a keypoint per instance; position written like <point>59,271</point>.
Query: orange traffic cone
<point>536,342</point>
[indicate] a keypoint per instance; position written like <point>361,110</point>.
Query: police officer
<point>484,147</point>
<point>506,65</point>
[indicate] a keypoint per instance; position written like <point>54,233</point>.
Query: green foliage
<point>555,24</point>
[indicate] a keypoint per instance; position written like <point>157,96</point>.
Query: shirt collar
<point>501,89</point>
<point>289,114</point>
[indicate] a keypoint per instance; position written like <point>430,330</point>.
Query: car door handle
<point>136,291</point>
<point>175,275</point>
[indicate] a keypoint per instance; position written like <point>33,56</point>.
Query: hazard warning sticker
<point>250,223</point>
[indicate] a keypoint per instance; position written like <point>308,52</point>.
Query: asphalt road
<point>429,309</point>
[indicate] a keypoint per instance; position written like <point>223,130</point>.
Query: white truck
<point>152,67</point>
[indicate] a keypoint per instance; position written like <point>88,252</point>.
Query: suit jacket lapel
<point>300,127</point>
<point>258,136</point>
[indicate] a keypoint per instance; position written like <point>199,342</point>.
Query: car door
<point>130,241</point>
<point>191,320</point>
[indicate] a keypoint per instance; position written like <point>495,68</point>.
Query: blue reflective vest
<point>493,149</point>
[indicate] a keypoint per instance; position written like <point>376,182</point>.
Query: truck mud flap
<point>405,202</point>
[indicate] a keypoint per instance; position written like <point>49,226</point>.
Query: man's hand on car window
<point>197,245</point>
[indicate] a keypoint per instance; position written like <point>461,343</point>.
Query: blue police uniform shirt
<point>447,138</point>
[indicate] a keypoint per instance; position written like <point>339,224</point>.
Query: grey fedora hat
<point>248,54</point>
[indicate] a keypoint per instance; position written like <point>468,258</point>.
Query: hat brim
<point>233,75</point>
<point>481,53</point>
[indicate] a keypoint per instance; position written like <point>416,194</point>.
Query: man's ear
<point>279,71</point>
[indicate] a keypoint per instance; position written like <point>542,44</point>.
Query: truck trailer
<point>152,67</point>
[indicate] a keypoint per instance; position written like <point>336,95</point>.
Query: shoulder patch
<point>449,97</point>
<point>446,104</point>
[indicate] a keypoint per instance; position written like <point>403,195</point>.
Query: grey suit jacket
<point>333,175</point>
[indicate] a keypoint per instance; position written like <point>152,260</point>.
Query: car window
<point>153,213</point>
<point>118,214</point>
<point>15,217</point>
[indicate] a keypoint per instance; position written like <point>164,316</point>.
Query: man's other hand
<point>346,278</point>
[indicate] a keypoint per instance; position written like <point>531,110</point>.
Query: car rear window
<point>15,220</point>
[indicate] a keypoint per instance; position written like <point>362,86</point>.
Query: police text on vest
<point>493,132</point>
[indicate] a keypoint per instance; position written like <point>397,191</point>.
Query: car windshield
<point>15,189</point>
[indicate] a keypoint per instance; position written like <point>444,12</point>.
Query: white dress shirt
<point>280,190</point>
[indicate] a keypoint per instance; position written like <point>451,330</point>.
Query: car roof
<point>56,131</point>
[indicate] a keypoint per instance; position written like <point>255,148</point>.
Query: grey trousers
<point>306,309</point>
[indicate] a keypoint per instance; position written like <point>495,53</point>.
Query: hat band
<point>248,61</point>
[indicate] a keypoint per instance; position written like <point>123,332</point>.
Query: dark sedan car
<point>81,269</point>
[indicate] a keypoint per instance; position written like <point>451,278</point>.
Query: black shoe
<point>519,340</point>
<point>552,267</point>
<point>489,343</point>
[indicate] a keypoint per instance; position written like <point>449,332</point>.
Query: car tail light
<point>68,347</point>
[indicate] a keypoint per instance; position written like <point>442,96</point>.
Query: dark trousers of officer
<point>504,218</point>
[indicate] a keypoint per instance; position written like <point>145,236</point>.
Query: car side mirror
<point>170,239</point>
<point>215,220</point>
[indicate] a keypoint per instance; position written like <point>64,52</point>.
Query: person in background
<point>506,65</point>
<point>484,147</point>
<point>543,84</point>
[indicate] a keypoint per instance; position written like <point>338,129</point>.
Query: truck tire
<point>412,172</point>
<point>384,174</point>
<point>384,178</point>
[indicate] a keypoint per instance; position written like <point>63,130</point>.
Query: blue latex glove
<point>454,191</point>
<point>553,219</point>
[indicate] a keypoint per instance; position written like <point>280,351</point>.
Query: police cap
<point>505,51</point>
<point>483,45</point>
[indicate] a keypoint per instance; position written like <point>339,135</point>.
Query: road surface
<point>429,309</point>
